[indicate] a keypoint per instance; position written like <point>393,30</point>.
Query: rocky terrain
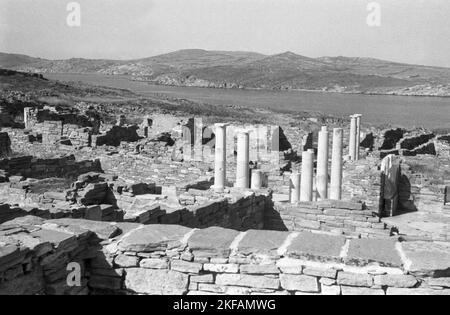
<point>286,71</point>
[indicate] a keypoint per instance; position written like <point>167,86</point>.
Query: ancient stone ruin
<point>182,205</point>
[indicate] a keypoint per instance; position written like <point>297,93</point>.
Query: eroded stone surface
<point>159,282</point>
<point>262,242</point>
<point>212,241</point>
<point>364,251</point>
<point>316,247</point>
<point>152,238</point>
<point>428,258</point>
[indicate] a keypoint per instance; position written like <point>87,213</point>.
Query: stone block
<point>103,230</point>
<point>361,291</point>
<point>153,237</point>
<point>156,282</point>
<point>317,247</point>
<point>221,268</point>
<point>364,251</point>
<point>154,263</point>
<point>299,283</point>
<point>428,258</point>
<point>261,242</point>
<point>331,290</point>
<point>319,272</point>
<point>263,282</point>
<point>354,279</point>
<point>397,281</point>
<point>126,261</point>
<point>185,266</point>
<point>259,269</point>
<point>212,242</point>
<point>290,266</point>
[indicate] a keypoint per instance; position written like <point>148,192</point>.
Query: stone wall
<point>334,217</point>
<point>67,166</point>
<point>102,197</point>
<point>67,116</point>
<point>62,125</point>
<point>200,209</point>
<point>115,135</point>
<point>170,259</point>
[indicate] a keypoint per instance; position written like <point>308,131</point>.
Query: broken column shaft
<point>257,179</point>
<point>198,139</point>
<point>294,189</point>
<point>306,189</point>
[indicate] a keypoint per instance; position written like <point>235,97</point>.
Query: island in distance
<point>248,70</point>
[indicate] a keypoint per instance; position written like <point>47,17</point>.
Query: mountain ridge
<point>238,69</point>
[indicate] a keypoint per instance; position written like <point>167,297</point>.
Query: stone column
<point>257,179</point>
<point>220,168</point>
<point>26,117</point>
<point>198,139</point>
<point>352,144</point>
<point>188,138</point>
<point>390,177</point>
<point>322,164</point>
<point>306,189</point>
<point>336,165</point>
<point>243,160</point>
<point>358,136</point>
<point>294,189</point>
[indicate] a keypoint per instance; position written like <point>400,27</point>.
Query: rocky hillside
<point>285,71</point>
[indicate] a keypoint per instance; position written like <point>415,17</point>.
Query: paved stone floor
<point>422,225</point>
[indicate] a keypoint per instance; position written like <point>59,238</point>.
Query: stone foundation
<point>31,167</point>
<point>40,257</point>
<point>333,217</point>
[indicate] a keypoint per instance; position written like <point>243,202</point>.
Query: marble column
<point>336,165</point>
<point>358,136</point>
<point>243,160</point>
<point>352,139</point>
<point>220,168</point>
<point>294,190</point>
<point>257,179</point>
<point>306,188</point>
<point>26,117</point>
<point>322,164</point>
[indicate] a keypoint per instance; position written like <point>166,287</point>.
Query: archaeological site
<point>226,155</point>
<point>173,204</point>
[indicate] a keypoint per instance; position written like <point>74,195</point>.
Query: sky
<point>411,31</point>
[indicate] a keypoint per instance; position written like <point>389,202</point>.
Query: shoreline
<point>130,78</point>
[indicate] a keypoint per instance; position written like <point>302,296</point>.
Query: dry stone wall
<point>334,217</point>
<point>169,259</point>
<point>67,166</point>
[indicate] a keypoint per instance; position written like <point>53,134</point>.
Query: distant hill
<point>286,71</point>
